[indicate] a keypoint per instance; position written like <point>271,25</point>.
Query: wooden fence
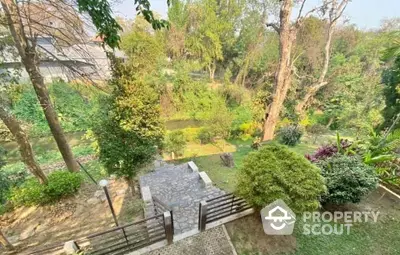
<point>219,208</point>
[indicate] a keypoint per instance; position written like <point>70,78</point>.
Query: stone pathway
<point>182,190</point>
<point>211,242</point>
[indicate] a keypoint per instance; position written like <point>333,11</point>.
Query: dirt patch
<point>248,236</point>
<point>72,218</point>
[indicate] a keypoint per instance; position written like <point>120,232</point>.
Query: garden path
<point>182,190</point>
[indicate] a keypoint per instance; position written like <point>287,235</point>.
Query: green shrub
<point>175,142</point>
<point>219,122</point>
<point>205,136</point>
<point>274,172</point>
<point>29,193</point>
<point>290,135</point>
<point>191,134</point>
<point>61,184</point>
<point>347,179</point>
<point>10,178</point>
<point>3,154</point>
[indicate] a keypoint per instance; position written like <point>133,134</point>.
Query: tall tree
<point>335,12</point>
<point>29,56</point>
<point>204,40</point>
<point>24,146</point>
<point>129,126</point>
<point>287,31</point>
<point>287,36</point>
<point>10,121</point>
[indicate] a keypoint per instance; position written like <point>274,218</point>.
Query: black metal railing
<point>48,249</point>
<point>161,207</point>
<point>220,207</point>
<point>129,237</point>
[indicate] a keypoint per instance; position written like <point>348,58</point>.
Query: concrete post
<point>71,247</point>
<point>168,226</point>
<point>202,215</point>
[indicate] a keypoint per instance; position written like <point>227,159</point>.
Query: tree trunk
<point>131,184</point>
<point>287,35</point>
<point>4,242</point>
<point>211,69</point>
<point>330,122</point>
<point>27,52</point>
<point>24,146</point>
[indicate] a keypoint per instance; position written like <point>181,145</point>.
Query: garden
<point>322,133</point>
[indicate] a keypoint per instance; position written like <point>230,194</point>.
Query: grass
<point>364,238</point>
<point>376,238</point>
<point>222,176</point>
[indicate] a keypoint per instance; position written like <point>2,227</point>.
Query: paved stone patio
<point>211,242</point>
<point>181,189</point>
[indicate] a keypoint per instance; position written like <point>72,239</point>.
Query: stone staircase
<point>181,189</point>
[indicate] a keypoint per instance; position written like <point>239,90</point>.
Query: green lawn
<point>224,177</point>
<point>381,238</point>
<point>249,238</point>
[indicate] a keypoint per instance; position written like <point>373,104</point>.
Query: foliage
<point>175,142</point>
<point>274,172</point>
<point>61,184</point>
<point>381,151</point>
<point>391,79</point>
<point>74,105</point>
<point>348,179</point>
<point>9,179</point>
<point>191,134</point>
<point>329,150</point>
<point>128,128</point>
<point>3,154</point>
<point>143,7</point>
<point>290,135</point>
<point>243,125</point>
<point>143,47</point>
<point>316,129</point>
<point>220,121</point>
<point>101,15</point>
<point>205,136</point>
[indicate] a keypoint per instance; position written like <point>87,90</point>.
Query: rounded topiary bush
<point>274,172</point>
<point>60,184</point>
<point>290,135</point>
<point>348,179</point>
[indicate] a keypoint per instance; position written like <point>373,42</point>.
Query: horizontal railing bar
<point>158,201</point>
<point>215,198</point>
<point>228,214</point>
<point>59,246</point>
<point>221,200</point>
<point>129,245</point>
<point>229,206</point>
<point>125,226</point>
<point>139,246</point>
<point>233,210</point>
<point>130,242</point>
<point>225,203</point>
<point>130,235</point>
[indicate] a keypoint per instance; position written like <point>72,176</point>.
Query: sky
<point>366,14</point>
